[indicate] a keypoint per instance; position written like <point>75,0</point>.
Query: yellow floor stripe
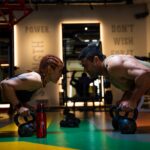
<point>29,146</point>
<point>12,126</point>
<point>19,145</point>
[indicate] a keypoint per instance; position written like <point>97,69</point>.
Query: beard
<point>94,75</point>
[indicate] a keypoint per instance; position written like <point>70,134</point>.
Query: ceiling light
<point>86,28</point>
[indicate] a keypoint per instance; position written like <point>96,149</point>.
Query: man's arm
<point>141,78</point>
<point>142,85</point>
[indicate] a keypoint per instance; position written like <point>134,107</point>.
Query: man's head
<point>91,51</point>
<point>91,58</point>
<point>50,68</point>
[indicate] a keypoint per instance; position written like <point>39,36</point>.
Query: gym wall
<point>40,33</point>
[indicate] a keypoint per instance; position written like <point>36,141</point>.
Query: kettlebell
<point>127,125</point>
<point>28,127</point>
<point>115,117</point>
<point>69,120</point>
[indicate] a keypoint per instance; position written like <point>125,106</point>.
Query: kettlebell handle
<point>112,110</point>
<point>17,116</point>
<point>135,113</point>
<point>16,119</point>
<point>126,115</point>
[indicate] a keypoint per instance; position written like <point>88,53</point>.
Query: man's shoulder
<point>114,62</point>
<point>119,58</point>
<point>114,59</point>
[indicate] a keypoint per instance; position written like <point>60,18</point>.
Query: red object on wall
<point>8,11</point>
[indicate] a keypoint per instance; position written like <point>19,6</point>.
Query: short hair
<point>49,60</point>
<point>90,51</point>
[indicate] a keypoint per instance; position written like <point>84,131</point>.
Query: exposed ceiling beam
<point>66,1</point>
<point>8,9</point>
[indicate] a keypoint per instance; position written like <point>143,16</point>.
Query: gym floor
<point>95,132</point>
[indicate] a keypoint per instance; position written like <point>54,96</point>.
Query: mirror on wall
<point>75,38</point>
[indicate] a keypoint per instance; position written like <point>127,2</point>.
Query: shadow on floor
<point>4,134</point>
<point>143,130</point>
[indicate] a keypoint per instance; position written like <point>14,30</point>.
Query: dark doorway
<point>75,38</point>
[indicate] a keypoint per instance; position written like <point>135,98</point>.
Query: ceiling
<point>8,8</point>
<point>75,1</point>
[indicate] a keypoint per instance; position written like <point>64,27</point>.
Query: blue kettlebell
<point>127,122</point>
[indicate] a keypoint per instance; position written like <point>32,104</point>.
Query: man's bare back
<point>121,68</point>
<point>125,72</point>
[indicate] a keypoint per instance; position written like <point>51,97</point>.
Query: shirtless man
<point>124,71</point>
<point>19,89</point>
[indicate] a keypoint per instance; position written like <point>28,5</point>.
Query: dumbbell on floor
<point>69,120</point>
